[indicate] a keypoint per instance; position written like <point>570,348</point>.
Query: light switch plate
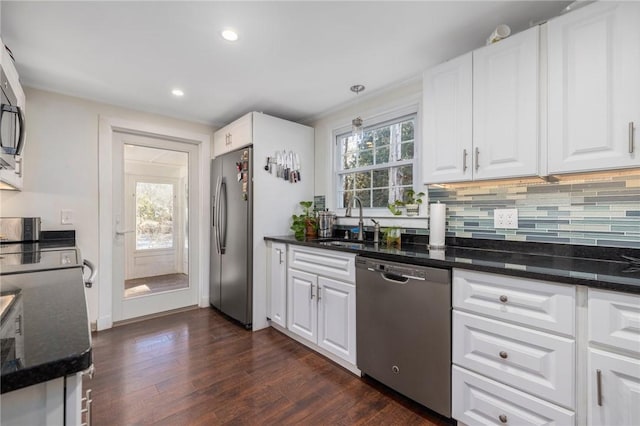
<point>505,218</point>
<point>66,217</point>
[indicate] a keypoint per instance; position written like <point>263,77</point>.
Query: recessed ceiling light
<point>229,35</point>
<point>177,92</point>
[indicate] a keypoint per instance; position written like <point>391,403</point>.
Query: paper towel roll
<point>437,219</point>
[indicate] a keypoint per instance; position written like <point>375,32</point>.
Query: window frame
<point>175,232</point>
<point>373,121</point>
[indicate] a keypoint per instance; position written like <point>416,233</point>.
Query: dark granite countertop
<point>590,266</point>
<point>54,338</point>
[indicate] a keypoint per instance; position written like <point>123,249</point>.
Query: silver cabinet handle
<point>280,255</point>
<point>464,160</point>
<point>502,418</point>
<point>319,292</point>
<point>311,292</point>
<point>504,298</point>
<point>19,325</point>
<point>477,158</point>
<point>503,355</point>
<point>599,386</point>
<point>631,137</point>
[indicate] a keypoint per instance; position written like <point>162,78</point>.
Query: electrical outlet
<point>505,218</point>
<point>66,217</point>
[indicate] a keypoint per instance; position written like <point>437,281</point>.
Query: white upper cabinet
<point>505,107</point>
<point>481,113</point>
<point>594,88</point>
<point>233,136</point>
<point>447,105</point>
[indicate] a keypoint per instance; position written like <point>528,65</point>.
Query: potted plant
<point>306,224</point>
<point>395,207</point>
<point>412,202</point>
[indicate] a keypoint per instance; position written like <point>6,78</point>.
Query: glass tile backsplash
<point>588,210</point>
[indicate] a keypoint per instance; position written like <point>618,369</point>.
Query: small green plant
<point>305,223</point>
<point>395,207</point>
<point>411,197</point>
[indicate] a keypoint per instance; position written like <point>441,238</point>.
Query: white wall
<point>368,108</point>
<point>61,166</point>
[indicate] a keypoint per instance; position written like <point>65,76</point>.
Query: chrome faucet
<point>360,222</point>
<point>376,231</point>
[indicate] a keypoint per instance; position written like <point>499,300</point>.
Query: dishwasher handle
<point>398,279</point>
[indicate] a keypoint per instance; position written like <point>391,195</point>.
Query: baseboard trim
<point>157,315</point>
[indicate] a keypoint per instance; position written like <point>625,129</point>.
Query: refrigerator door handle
<point>216,215</point>
<point>222,233</point>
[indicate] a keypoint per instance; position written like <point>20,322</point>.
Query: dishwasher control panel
<point>391,268</point>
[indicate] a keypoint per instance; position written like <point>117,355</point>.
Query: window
<point>154,215</point>
<point>378,168</point>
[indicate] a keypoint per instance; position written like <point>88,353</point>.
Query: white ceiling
<point>294,60</point>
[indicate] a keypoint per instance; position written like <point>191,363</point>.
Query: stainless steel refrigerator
<point>231,267</point>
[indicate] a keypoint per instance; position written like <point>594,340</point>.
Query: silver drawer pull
<point>631,137</point>
<point>599,386</point>
<point>504,298</point>
<point>503,418</point>
<point>464,160</point>
<point>503,355</point>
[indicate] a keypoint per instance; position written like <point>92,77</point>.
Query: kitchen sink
<point>340,242</point>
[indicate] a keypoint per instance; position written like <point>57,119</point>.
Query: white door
<point>447,121</point>
<point>614,389</point>
<point>302,306</point>
<point>278,296</point>
<point>594,89</point>
<point>154,188</point>
<point>505,107</point>
<point>337,318</point>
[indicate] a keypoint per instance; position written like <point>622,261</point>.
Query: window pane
<point>381,178</point>
<point>382,155</point>
<point>406,151</point>
<point>363,180</point>
<point>347,181</point>
<point>346,196</point>
<point>365,158</point>
<point>365,197</point>
<point>407,131</point>
<point>154,215</point>
<point>381,136</point>
<point>406,175</point>
<point>380,197</point>
<point>349,160</point>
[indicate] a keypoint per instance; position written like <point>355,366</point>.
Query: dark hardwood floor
<point>197,368</point>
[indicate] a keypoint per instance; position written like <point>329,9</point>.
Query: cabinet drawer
<point>480,401</point>
<point>532,361</point>
<point>614,319</point>
<point>328,263</point>
<point>533,303</point>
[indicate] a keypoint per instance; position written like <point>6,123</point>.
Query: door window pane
<point>154,215</point>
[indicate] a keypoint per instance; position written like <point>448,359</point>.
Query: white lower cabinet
<point>482,401</point>
<point>337,318</point>
<point>52,403</point>
<point>614,389</point>
<point>613,378</point>
<point>321,300</point>
<point>277,309</point>
<point>514,350</point>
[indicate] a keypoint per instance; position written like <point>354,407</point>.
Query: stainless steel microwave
<point>12,123</point>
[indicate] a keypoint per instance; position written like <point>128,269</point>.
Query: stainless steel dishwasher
<point>403,319</point>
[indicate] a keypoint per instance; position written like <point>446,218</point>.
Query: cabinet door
<point>302,308</point>
<point>505,107</point>
<point>241,132</point>
<point>221,141</point>
<point>337,318</point>
<point>278,294</point>
<point>594,63</point>
<point>618,387</point>
<point>614,319</point>
<point>447,121</point>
